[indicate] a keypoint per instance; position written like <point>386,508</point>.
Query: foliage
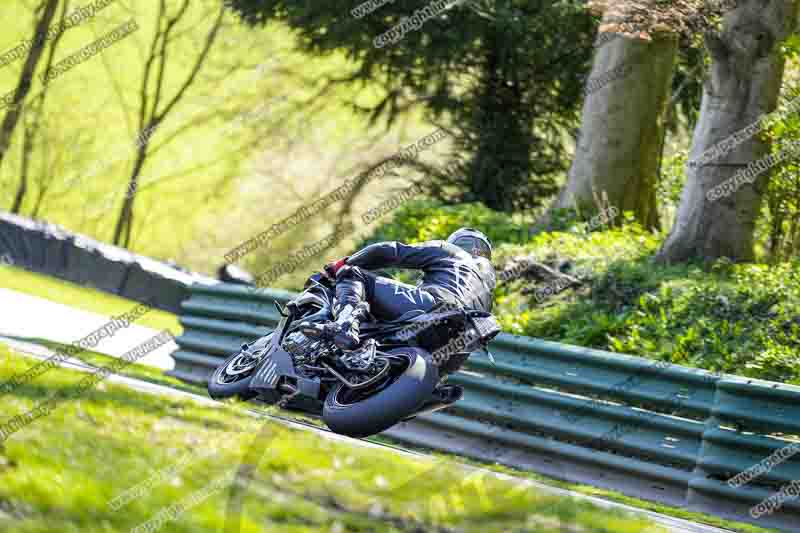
<point>687,89</point>
<point>239,139</point>
<point>505,78</point>
<point>780,225</point>
<point>646,19</point>
<point>90,118</point>
<point>428,220</point>
<point>742,319</point>
<point>670,185</point>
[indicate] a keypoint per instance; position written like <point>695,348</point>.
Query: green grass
<point>152,375</point>
<point>135,370</point>
<point>611,495</point>
<point>61,472</point>
<point>737,319</point>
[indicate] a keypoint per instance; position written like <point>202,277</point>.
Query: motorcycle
<point>394,376</point>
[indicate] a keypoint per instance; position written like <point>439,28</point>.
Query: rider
<point>457,272</point>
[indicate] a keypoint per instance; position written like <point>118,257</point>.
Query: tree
<point>504,76</point>
<point>629,103</point>
<point>33,120</point>
<point>619,149</point>
<point>154,105</point>
<point>743,86</point>
<point>11,119</point>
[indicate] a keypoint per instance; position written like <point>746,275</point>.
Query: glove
<point>331,269</point>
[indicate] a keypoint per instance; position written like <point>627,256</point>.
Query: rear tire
<point>389,406</point>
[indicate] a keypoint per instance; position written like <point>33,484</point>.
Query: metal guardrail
<point>651,430</point>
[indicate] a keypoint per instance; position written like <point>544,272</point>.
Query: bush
<point>742,319</point>
<point>427,220</point>
<point>779,229</point>
<point>738,319</point>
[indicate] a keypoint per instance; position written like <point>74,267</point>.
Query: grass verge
<point>72,471</point>
<point>96,301</point>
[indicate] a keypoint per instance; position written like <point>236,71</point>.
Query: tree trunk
<point>32,121</point>
<point>744,85</point>
<point>24,85</point>
<point>122,231</point>
<point>619,149</point>
<point>27,148</point>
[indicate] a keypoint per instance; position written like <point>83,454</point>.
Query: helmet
<point>472,241</point>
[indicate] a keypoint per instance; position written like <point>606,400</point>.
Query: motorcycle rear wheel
<point>346,414</point>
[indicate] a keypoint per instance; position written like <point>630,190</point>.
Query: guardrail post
<point>711,423</point>
<point>743,462</point>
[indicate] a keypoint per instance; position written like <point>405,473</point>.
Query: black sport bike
<point>394,376</point>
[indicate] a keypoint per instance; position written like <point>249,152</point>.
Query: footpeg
<point>361,358</point>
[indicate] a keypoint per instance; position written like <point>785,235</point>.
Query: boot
<point>350,309</point>
<point>348,324</point>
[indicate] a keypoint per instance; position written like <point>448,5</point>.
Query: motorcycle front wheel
<point>233,377</point>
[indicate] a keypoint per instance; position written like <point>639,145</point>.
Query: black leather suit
<point>451,276</point>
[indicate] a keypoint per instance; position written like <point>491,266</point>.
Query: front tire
<point>389,406</point>
<point>233,377</point>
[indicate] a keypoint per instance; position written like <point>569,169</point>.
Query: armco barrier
<point>651,430</point>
